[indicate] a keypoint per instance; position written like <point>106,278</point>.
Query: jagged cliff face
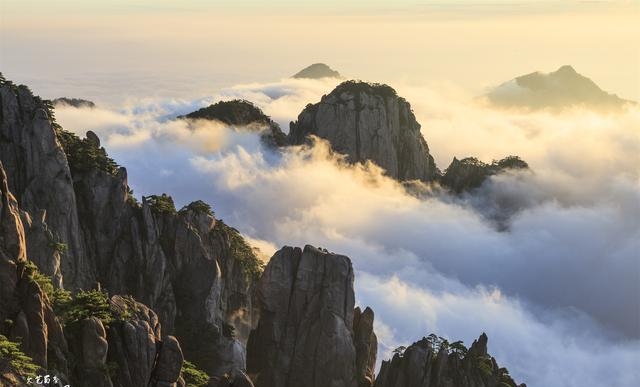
<point>369,122</point>
<point>305,336</point>
<point>80,351</point>
<point>37,166</point>
<point>430,363</point>
<point>78,222</point>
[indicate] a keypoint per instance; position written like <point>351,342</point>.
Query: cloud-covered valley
<point>558,291</point>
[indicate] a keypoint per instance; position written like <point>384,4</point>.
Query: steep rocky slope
<point>369,122</point>
<point>307,334</point>
<point>36,165</point>
<point>433,362</point>
<point>82,226</point>
<point>74,344</point>
<point>242,113</point>
<point>560,89</point>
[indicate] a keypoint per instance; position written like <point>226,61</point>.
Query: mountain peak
<point>317,71</point>
<point>564,88</point>
<point>240,112</point>
<point>349,119</point>
<point>566,69</point>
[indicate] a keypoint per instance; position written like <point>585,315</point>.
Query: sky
<point>557,291</point>
<point>110,49</point>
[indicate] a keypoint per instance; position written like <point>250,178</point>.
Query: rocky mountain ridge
<point>366,122</point>
<point>241,113</point>
<point>561,89</point>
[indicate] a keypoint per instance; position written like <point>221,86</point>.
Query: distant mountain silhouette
<point>557,90</point>
<point>317,71</point>
<point>75,102</point>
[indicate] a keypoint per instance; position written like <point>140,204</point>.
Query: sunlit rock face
<point>36,166</point>
<point>564,88</point>
<point>305,336</point>
<point>369,122</point>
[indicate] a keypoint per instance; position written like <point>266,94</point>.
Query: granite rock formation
<point>305,335</point>
<point>242,114</point>
<point>432,362</point>
<point>78,350</point>
<point>196,272</point>
<point>369,122</point>
<point>36,165</point>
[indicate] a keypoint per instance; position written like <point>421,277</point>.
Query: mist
<point>556,291</point>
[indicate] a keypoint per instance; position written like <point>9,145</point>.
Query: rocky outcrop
<point>469,173</point>
<point>317,71</point>
<point>194,271</point>
<point>242,114</point>
<point>369,122</point>
<point>92,353</point>
<point>433,362</point>
<point>305,335</point>
<point>366,344</point>
<point>561,89</point>
<point>137,350</point>
<point>36,166</point>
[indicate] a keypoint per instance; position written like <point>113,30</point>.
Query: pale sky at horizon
<point>189,48</point>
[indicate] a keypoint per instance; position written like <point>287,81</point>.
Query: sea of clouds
<point>546,262</point>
